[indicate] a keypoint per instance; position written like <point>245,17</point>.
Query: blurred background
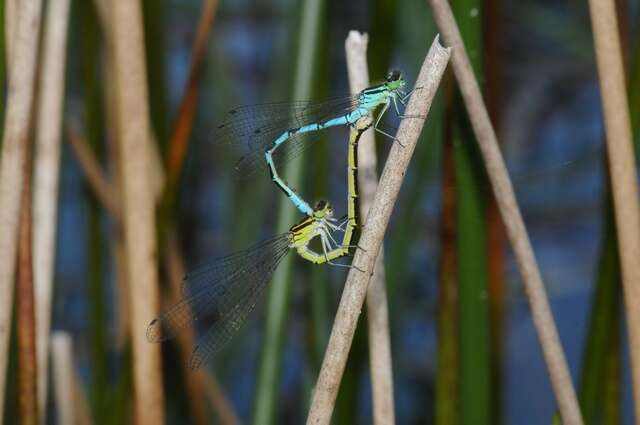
<point>463,344</point>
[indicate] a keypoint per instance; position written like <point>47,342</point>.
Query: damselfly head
<point>322,209</point>
<point>394,80</point>
<point>393,75</point>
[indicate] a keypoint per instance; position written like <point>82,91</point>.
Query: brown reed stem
<point>186,111</point>
<point>12,162</point>
<point>47,167</point>
<point>623,171</point>
<point>63,376</point>
<point>25,310</point>
<point>139,206</point>
<point>516,230</point>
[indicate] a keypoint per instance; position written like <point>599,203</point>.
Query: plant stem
<point>511,216</point>
<point>381,368</point>
<point>371,240</point>
<point>622,169</point>
<point>12,163</point>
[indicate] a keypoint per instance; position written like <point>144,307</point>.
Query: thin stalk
<point>605,312</point>
<point>97,312</point>
<point>611,405</point>
<point>224,410</point>
<point>447,372</point>
<point>155,48</point>
<point>139,208</point>
<point>471,242</point>
<point>25,308</point>
<point>622,169</point>
<point>280,289</point>
<point>3,63</point>
<point>12,163</point>
<point>101,187</point>
<point>511,216</point>
<point>183,124</point>
<point>90,45</point>
<point>63,376</point>
<point>634,92</point>
<point>373,233</point>
<point>603,322</point>
<point>11,19</point>
<point>123,405</point>
<point>493,66</point>
<point>381,368</point>
<point>47,167</point>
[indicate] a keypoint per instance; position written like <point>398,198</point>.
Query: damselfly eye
<point>393,75</point>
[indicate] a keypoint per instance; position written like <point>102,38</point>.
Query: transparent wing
<point>251,129</point>
<point>220,297</point>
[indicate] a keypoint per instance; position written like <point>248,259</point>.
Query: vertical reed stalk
<point>447,372</point>
<point>63,377</point>
<point>47,166</point>
<point>156,48</point>
<point>138,211</point>
<point>372,236</point>
<point>25,309</point>
<point>596,377</point>
<point>12,163</point>
<point>471,241</point>
<point>3,62</point>
<point>381,368</point>
<point>511,216</point>
<point>493,66</point>
<point>10,21</point>
<point>622,169</point>
<point>186,111</point>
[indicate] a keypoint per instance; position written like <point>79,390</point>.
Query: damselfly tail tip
<point>154,333</point>
<point>196,359</point>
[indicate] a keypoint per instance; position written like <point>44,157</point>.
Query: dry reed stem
<point>108,197</point>
<point>623,171</point>
<point>70,401</point>
<point>139,209</point>
<point>11,9</point>
<point>155,168</point>
<point>105,192</point>
<point>117,244</point>
<point>16,132</point>
<point>25,309</point>
<point>47,166</point>
<point>184,121</point>
<point>381,366</point>
<point>81,405</point>
<point>102,188</point>
<point>355,288</point>
<point>63,376</point>
<point>220,404</point>
<point>506,200</point>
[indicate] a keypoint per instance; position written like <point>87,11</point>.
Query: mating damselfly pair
<point>221,295</point>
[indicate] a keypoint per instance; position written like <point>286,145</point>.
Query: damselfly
<point>221,296</point>
<point>271,134</point>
